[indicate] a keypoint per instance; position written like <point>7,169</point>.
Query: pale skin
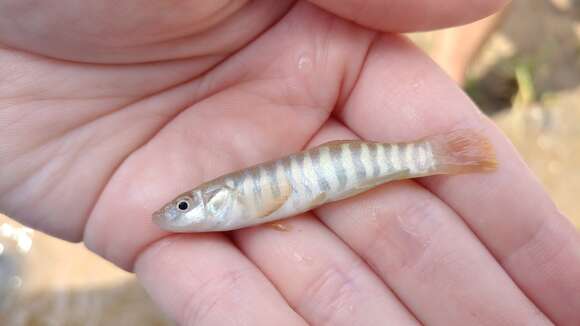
<point>89,150</point>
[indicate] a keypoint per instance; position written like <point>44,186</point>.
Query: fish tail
<point>462,151</point>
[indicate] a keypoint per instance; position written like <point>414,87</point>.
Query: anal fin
<point>373,183</point>
<point>318,200</point>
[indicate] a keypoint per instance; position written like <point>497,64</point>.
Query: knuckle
<point>206,302</point>
<point>331,293</point>
<point>401,236</point>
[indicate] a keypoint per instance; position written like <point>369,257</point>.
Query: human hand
<point>110,108</point>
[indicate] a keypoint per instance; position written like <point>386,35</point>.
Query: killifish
<point>332,171</point>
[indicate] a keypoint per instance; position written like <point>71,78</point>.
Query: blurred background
<point>522,67</point>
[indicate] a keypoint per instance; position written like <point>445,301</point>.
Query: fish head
<point>204,209</point>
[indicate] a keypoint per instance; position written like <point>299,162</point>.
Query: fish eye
<point>183,205</point>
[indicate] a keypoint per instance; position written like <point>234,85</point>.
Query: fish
<point>333,171</point>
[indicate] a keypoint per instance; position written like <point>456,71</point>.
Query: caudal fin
<point>462,151</point>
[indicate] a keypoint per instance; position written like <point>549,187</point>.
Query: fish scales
<point>303,181</point>
<point>341,167</point>
<point>338,169</point>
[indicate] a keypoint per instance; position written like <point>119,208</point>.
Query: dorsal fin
<point>339,142</point>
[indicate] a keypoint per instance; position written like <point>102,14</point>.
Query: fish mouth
<point>165,217</point>
<point>158,217</point>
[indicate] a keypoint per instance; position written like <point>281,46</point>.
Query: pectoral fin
<point>218,200</point>
<point>272,205</point>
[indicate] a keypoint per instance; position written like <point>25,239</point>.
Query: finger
<point>247,122</point>
<point>426,254</point>
<point>406,97</point>
<point>133,31</point>
<point>76,111</point>
<point>205,280</point>
<point>415,15</point>
<point>320,277</point>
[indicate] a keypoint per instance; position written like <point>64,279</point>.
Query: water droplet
<point>22,236</point>
<point>374,216</point>
<point>15,282</point>
<point>301,259</point>
<point>298,257</point>
<point>304,63</point>
<point>416,84</point>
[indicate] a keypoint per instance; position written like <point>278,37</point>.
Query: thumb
<point>413,15</point>
<point>132,31</point>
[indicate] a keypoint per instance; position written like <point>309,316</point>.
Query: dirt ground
<point>537,37</point>
<point>539,42</point>
<point>44,281</point>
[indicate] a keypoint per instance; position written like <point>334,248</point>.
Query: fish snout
<point>158,217</point>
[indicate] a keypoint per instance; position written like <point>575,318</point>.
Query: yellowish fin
<point>462,151</point>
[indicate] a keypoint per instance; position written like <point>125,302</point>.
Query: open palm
<point>110,108</point>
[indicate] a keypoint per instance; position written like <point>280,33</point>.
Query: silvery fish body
<point>300,182</point>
